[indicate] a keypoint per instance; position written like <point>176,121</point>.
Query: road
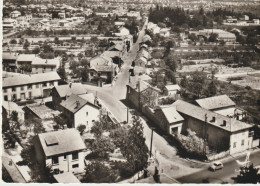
<point>220,176</point>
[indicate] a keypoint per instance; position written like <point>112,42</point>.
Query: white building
<point>63,150</point>
<point>29,86</point>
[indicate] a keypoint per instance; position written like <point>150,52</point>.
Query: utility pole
<point>205,133</point>
<point>127,115</point>
<point>151,145</point>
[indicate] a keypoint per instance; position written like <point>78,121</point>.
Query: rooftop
<point>74,103</point>
<point>26,57</point>
<point>171,114</point>
<point>66,177</point>
<point>42,111</point>
<point>62,141</point>
<point>172,87</point>
<point>12,106</point>
<point>232,125</point>
<point>74,88</point>
<point>30,79</point>
<point>215,102</point>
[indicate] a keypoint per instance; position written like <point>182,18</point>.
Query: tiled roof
<point>172,87</point>
<point>69,140</point>
<point>171,114</point>
<point>9,56</point>
<point>232,125</point>
<point>67,90</point>
<point>40,61</point>
<point>66,177</point>
<point>30,79</point>
<point>74,103</point>
<point>103,68</point>
<point>215,102</point>
<point>116,47</point>
<point>26,57</point>
<point>11,106</point>
<point>88,97</point>
<point>42,111</point>
<point>98,60</point>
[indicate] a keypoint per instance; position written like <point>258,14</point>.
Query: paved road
<point>224,175</point>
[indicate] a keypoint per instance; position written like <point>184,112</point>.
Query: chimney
<point>213,119</point>
<point>70,84</point>
<point>65,126</point>
<point>46,61</point>
<point>77,104</point>
<point>224,123</point>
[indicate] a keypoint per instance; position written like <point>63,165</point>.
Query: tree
<point>13,41</point>
<point>81,128</point>
<point>248,175</point>
<point>97,172</point>
<point>100,148</point>
<point>212,89</point>
<point>171,62</point>
<point>36,50</point>
<point>62,73</point>
<point>193,37</point>
<point>26,44</point>
<point>94,40</point>
<point>134,147</point>
<point>213,37</point>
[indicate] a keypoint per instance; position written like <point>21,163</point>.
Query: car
<point>216,166</point>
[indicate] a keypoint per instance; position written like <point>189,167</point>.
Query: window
<point>86,113</point>
<point>75,166</point>
<point>65,157</point>
<point>45,84</point>
<point>6,98</point>
<point>234,144</point>
<point>75,156</point>
<point>242,142</point>
<point>29,86</point>
<point>37,85</point>
<point>13,89</point>
<point>5,90</point>
<point>51,68</point>
<point>55,160</point>
<point>14,97</point>
<point>51,83</point>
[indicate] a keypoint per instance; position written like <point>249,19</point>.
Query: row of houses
<point>216,119</point>
<point>13,62</point>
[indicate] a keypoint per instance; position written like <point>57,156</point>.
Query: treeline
<point>178,17</point>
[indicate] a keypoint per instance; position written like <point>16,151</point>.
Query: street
<point>220,176</point>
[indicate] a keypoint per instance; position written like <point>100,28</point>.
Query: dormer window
<point>224,123</point>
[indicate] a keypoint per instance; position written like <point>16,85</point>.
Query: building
<point>80,111</point>
<point>15,14</point>
<point>221,133</point>
<point>222,105</point>
<point>222,34</point>
<point>172,90</point>
<point>63,150</point>
<point>169,120</point>
<point>29,86</point>
<point>9,107</point>
<point>9,61</point>
<point>140,94</point>
<point>61,92</point>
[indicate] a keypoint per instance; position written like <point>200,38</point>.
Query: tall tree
<point>248,175</point>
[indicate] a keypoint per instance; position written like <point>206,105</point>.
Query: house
<point>169,120</point>
<point>15,14</point>
<point>222,34</point>
<point>140,94</point>
<point>61,92</point>
<point>222,105</point>
<point>123,32</point>
<point>9,61</point>
<point>29,86</point>
<point>25,59</point>
<point>102,67</point>
<point>165,32</point>
<point>221,133</point>
<point>9,23</point>
<point>9,107</point>
<point>40,65</point>
<point>172,90</point>
<point>80,111</point>
<point>63,150</point>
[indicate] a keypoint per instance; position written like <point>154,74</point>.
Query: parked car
<point>216,166</point>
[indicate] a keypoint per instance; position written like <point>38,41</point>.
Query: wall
<point>67,163</point>
<point>218,139</point>
<point>39,153</point>
<point>132,97</point>
<point>81,117</point>
<point>40,69</point>
<point>35,91</point>
<point>236,138</point>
